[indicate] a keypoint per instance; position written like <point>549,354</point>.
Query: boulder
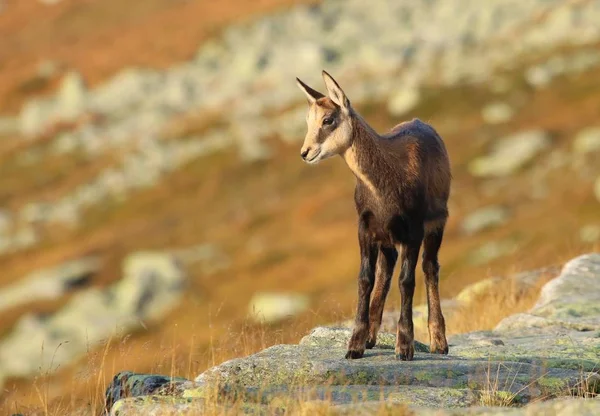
<point>497,113</point>
<point>552,351</point>
<point>590,233</point>
<point>509,154</point>
<point>274,307</point>
<point>484,218</point>
<point>492,250</point>
<point>587,141</point>
<point>403,100</point>
<point>151,286</point>
<point>71,98</point>
<point>49,283</point>
<point>34,116</point>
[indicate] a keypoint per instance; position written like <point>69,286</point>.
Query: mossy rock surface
<point>551,351</point>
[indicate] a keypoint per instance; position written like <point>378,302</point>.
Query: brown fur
<point>401,195</point>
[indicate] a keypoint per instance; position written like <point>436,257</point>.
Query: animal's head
<point>329,121</point>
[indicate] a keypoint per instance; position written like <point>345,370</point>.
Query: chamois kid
<point>402,189</point>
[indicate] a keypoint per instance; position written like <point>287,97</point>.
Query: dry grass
<point>87,388</point>
<point>487,309</point>
<point>284,225</point>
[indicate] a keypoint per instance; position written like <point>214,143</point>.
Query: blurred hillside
<point>173,128</point>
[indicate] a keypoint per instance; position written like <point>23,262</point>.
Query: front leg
<point>405,332</point>
<point>366,280</point>
<point>386,260</point>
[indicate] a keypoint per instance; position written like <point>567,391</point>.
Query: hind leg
<point>383,277</point>
<point>431,268</point>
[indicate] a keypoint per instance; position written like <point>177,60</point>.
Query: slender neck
<point>364,153</point>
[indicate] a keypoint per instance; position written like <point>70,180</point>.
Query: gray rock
<point>25,237</point>
<point>34,116</point>
<point>250,136</point>
<point>484,218</point>
<point>556,407</point>
<point>129,384</point>
<point>243,74</point>
<point>65,143</point>
<point>590,233</point>
<point>587,141</point>
<point>274,307</point>
<point>570,301</point>
<point>71,97</point>
<point>211,258</point>
<point>492,250</point>
<point>338,337</point>
<point>538,76</point>
<point>551,351</point>
<point>570,297</point>
<point>151,286</point>
<point>510,154</point>
<point>291,126</point>
<point>49,283</point>
<point>291,365</point>
<point>497,113</point>
<point>34,212</point>
<point>125,91</point>
<point>48,68</point>
<point>403,100</point>
<point>6,221</point>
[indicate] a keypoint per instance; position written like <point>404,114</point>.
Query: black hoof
<point>353,355</point>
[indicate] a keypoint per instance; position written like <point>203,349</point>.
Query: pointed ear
<point>335,92</point>
<point>311,94</point>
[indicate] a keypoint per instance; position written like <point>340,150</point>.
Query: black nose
<point>304,153</point>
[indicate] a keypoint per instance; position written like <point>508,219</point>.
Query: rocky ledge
<point>545,361</point>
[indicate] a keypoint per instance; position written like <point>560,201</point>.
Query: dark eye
<point>328,121</point>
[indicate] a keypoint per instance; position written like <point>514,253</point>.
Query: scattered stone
<point>497,113</point>
<point>484,218</point>
<point>71,96</point>
<point>500,85</point>
<point>590,233</point>
<point>210,257</point>
<point>48,68</point>
<point>587,141</point>
<point>25,237</point>
<point>538,76</point>
<point>65,143</point>
<point>250,137</point>
<point>6,222</point>
<point>274,307</point>
<point>152,285</point>
<point>510,154</point>
<point>34,117</point>
<point>243,74</point>
<point>403,100</point>
<point>49,283</point>
<point>492,250</point>
<point>291,126</point>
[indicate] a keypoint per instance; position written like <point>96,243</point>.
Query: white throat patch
<point>352,162</point>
